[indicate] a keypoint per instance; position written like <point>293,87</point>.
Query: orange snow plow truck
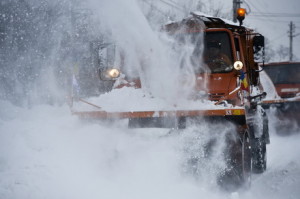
<point>231,87</point>
<point>286,79</point>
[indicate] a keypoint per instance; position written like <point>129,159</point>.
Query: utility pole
<point>291,35</point>
<point>236,5</point>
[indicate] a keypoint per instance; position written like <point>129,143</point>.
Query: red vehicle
<point>286,79</point>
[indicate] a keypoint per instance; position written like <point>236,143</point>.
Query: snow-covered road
<point>47,153</point>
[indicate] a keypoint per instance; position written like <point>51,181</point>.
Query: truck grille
<point>289,95</point>
<point>216,96</point>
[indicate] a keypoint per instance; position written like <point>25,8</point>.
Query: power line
<point>270,20</point>
<point>260,4</point>
<point>250,3</point>
<point>249,7</point>
<point>156,8</point>
<point>280,36</point>
<point>173,4</point>
<point>277,13</point>
<point>259,11</point>
<point>274,15</point>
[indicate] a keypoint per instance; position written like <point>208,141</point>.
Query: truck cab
<point>285,77</point>
<point>234,67</point>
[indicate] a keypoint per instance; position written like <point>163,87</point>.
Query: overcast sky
<point>271,18</point>
<point>275,25</point>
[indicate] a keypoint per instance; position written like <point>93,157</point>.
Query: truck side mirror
<point>258,47</point>
<point>258,41</point>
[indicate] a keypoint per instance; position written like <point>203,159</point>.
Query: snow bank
<point>268,86</point>
<point>47,153</point>
<point>131,99</point>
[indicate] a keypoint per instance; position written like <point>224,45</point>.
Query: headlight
<point>109,74</point>
<point>238,65</point>
<point>113,73</point>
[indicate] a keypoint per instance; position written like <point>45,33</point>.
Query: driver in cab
<point>215,59</point>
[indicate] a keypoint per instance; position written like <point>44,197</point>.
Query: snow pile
<point>47,153</point>
<point>268,86</point>
<point>131,99</point>
<point>281,180</point>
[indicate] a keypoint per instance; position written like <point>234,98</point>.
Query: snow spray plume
<point>45,40</point>
<point>32,37</point>
<point>204,148</point>
<point>150,55</point>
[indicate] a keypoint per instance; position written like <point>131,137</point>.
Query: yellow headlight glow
<point>113,73</point>
<point>238,65</point>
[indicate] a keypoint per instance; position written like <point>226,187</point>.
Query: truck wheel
<point>259,155</point>
<point>247,160</point>
<point>239,165</point>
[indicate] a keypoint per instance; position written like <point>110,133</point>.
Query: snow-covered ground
<point>48,153</point>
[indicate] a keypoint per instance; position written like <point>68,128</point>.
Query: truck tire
<point>239,163</point>
<point>258,145</point>
<point>247,160</point>
<point>259,155</point>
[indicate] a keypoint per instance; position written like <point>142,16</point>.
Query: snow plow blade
<point>165,119</point>
<point>287,111</point>
<point>288,106</point>
<point>280,103</point>
<point>147,114</point>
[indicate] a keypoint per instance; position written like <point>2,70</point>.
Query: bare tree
<point>282,53</point>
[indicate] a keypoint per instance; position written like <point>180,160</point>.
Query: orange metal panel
<point>280,101</point>
<point>147,114</point>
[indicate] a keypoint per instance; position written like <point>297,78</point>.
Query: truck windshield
<point>284,73</point>
<point>217,52</point>
<point>212,52</point>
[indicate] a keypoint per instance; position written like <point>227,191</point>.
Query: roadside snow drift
<point>47,153</point>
